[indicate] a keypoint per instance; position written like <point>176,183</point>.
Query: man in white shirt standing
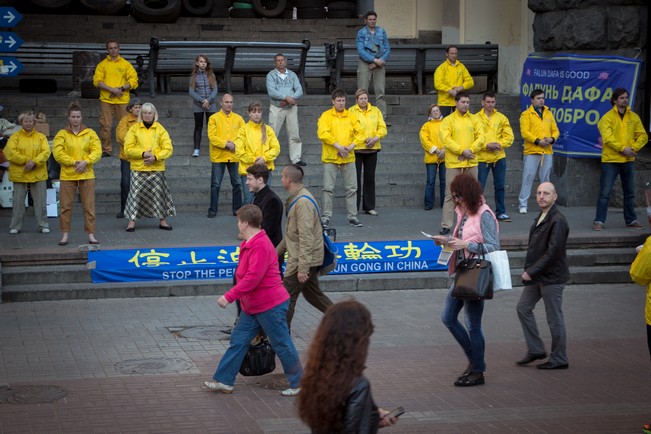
<point>284,89</point>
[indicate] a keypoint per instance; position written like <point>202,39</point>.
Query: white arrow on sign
<point>10,41</point>
<point>10,17</point>
<point>13,66</point>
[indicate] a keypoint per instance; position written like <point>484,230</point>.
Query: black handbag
<point>474,278</point>
<point>260,358</point>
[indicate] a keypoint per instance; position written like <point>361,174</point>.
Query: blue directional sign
<point>9,16</point>
<point>9,42</point>
<point>10,66</point>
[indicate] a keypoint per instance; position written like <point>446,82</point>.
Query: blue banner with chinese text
<point>199,263</point>
<point>578,90</point>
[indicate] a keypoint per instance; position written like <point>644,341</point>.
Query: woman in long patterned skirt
<point>147,146</point>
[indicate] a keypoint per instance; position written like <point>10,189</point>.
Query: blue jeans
<point>216,178</point>
<point>274,324</point>
<point>472,339</point>
<point>499,181</point>
<point>609,172</point>
<point>248,196</point>
<point>430,195</point>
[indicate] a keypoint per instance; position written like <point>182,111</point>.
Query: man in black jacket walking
<point>545,275</point>
<point>269,203</point>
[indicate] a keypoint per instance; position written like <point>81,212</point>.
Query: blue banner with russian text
<point>577,91</point>
<point>219,262</point>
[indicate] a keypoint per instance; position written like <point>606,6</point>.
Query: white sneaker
<point>13,231</point>
<point>195,153</point>
<point>291,392</point>
<point>218,387</point>
<point>522,210</point>
<point>45,231</point>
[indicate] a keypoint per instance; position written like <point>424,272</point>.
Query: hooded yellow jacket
<point>429,137</point>
<point>496,129</point>
<point>69,147</point>
<point>533,127</point>
<point>140,139</point>
<point>458,133</point>
<point>448,76</point>
<point>373,125</point>
<point>122,129</point>
<point>23,147</point>
<point>115,73</point>
<point>249,146</point>
<point>343,128</point>
<point>641,274</point>
<point>618,133</point>
<point>223,127</point>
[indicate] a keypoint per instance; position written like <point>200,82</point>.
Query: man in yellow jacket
<point>622,136</point>
<point>462,135</point>
<point>339,131</point>
<point>115,77</point>
<point>539,131</point>
<point>222,131</point>
<point>499,136</point>
<point>451,77</point>
<point>641,274</point>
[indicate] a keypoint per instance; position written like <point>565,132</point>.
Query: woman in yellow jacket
<point>27,152</point>
<point>641,274</point>
<point>125,124</point>
<point>147,146</point>
<point>76,148</point>
<point>434,158</point>
<point>375,129</point>
<point>256,143</point>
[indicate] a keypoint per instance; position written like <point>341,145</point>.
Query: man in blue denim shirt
<point>373,49</point>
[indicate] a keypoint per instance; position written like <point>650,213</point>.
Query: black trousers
<point>366,161</point>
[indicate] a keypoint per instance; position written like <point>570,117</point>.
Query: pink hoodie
<point>259,286</point>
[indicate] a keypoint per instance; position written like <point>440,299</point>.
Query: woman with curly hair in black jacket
<point>335,397</point>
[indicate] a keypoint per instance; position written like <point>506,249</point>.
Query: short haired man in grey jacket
<point>284,89</point>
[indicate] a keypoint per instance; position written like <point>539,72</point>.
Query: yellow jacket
<point>460,132</point>
<point>429,137</point>
<point>496,129</point>
<point>223,127</point>
<point>448,76</point>
<point>249,146</point>
<point>532,128</point>
<point>372,123</point>
<point>115,73</point>
<point>343,128</point>
<point>23,147</point>
<point>140,139</point>
<point>641,274</point>
<point>69,147</point>
<point>122,129</point>
<point>618,133</point>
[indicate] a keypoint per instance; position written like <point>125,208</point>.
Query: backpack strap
<point>308,198</point>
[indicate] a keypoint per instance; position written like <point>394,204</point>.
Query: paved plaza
<point>137,366</point>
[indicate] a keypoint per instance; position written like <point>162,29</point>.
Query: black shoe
<point>119,215</point>
<point>549,366</point>
<point>106,154</point>
<point>301,163</point>
<point>133,229</point>
<point>465,373</point>
<point>165,228</point>
<point>445,231</point>
<point>530,358</point>
<point>227,331</point>
<point>474,379</point>
<point>211,215</point>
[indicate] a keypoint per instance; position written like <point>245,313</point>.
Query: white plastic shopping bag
<point>501,270</point>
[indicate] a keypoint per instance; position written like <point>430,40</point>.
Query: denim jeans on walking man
<point>216,178</point>
<point>609,172</point>
<point>499,181</point>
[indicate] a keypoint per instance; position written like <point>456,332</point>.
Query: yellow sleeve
<point>525,127</point>
<point>381,130</point>
<point>11,151</point>
<point>44,151</point>
<point>165,149</point>
<point>132,76</point>
<point>100,74</point>
<point>440,82</point>
<point>95,153</point>
<point>324,130</point>
<point>358,133</point>
<point>244,157</point>
<point>480,139</point>
<point>639,134</point>
<point>468,82</point>
<point>273,150</point>
<point>608,137</point>
<point>59,151</point>
<point>641,266</point>
<point>131,148</point>
<point>445,134</point>
<point>122,129</point>
<point>505,133</point>
<point>555,131</point>
<point>214,137</point>
<point>425,138</point>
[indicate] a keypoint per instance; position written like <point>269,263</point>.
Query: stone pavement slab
<point>82,346</point>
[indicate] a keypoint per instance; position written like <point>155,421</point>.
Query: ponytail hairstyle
<point>74,107</point>
<point>257,105</point>
<point>209,72</point>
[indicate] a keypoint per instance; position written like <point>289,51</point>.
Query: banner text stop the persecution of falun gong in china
<point>577,91</point>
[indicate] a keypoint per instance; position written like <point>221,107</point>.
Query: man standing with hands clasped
<point>545,274</point>
<point>622,135</point>
<point>373,49</point>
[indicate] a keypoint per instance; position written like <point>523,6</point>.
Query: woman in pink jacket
<point>264,302</point>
